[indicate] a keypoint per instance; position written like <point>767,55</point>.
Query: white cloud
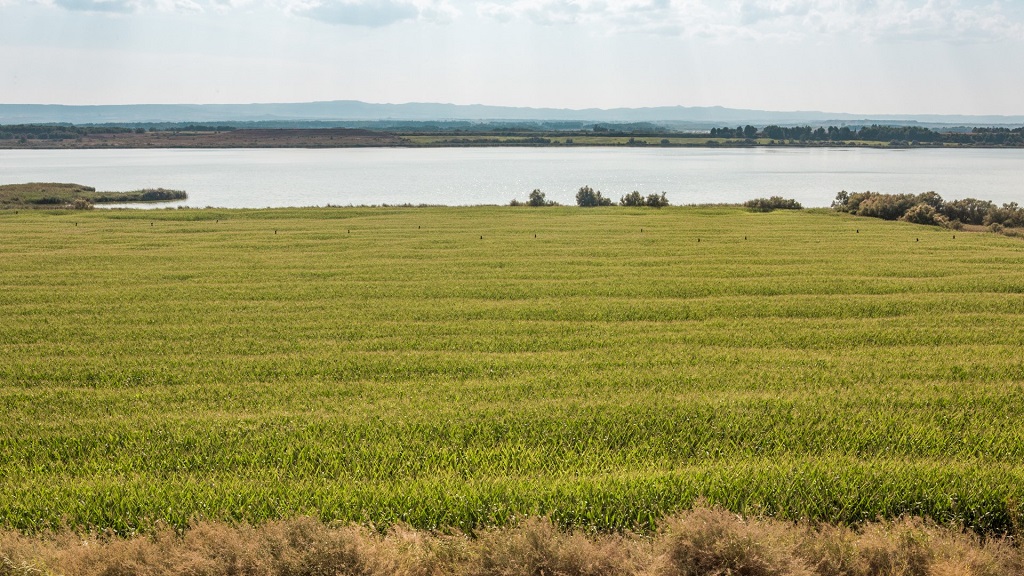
<point>375,13</point>
<point>113,6</point>
<point>950,20</point>
<point>439,12</point>
<point>372,14</point>
<point>757,11</point>
<point>367,13</point>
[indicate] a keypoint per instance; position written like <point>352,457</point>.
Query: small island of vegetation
<point>75,196</point>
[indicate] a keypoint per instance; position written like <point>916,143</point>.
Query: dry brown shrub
<point>926,548</point>
<point>537,547</point>
<point>828,549</point>
<point>701,542</point>
<point>714,542</point>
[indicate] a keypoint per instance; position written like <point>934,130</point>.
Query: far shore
<point>359,138</point>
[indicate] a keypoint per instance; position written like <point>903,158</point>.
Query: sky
<point>856,56</point>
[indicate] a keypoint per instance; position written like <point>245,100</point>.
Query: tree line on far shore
<point>876,133</point>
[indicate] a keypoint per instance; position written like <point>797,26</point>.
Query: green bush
<point>588,197</point>
<point>47,200</point>
<point>886,206</point>
<point>773,203</point>
<point>923,214</point>
<point>967,210</point>
<point>634,198</point>
<point>537,198</point>
<point>1008,215</point>
<point>155,194</point>
<point>657,200</point>
<point>929,208</point>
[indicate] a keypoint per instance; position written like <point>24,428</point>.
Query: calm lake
<point>256,178</point>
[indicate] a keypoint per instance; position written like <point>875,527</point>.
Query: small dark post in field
<point>858,230</point>
<point>698,240</point>
<point>917,239</point>
<point>418,227</point>
<point>641,230</point>
<point>481,237</point>
<point>275,231</point>
<point>218,220</point>
<point>954,236</point>
<point>150,223</point>
<point>744,237</point>
<point>76,224</point>
<point>534,235</point>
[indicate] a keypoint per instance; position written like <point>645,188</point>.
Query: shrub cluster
<point>587,196</point>
<point>635,198</point>
<point>773,203</point>
<point>929,208</point>
<point>537,198</point>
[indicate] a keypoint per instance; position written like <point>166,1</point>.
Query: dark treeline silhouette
<point>70,132</point>
<point>541,133</point>
<point>876,133</point>
<point>55,131</point>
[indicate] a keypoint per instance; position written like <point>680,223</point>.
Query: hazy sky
<point>859,56</point>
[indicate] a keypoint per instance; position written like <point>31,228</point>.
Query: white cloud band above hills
<point>955,21</point>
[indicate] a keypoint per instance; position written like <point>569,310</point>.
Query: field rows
<point>465,366</point>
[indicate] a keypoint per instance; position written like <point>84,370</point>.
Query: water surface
<point>255,178</point>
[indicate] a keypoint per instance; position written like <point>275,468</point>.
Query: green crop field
<point>465,366</point>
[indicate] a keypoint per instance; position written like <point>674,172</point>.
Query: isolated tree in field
<point>634,198</point>
<point>587,197</point>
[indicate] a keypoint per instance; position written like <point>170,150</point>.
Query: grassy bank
<point>464,366</point>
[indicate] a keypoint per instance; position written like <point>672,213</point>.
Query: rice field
<point>466,367</point>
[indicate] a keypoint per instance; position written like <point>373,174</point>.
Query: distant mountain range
<point>351,110</point>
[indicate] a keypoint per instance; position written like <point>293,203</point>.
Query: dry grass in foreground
<point>704,541</point>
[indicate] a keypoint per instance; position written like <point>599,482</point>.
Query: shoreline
<point>351,138</point>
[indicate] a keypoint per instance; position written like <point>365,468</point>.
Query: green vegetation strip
<point>466,366</point>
